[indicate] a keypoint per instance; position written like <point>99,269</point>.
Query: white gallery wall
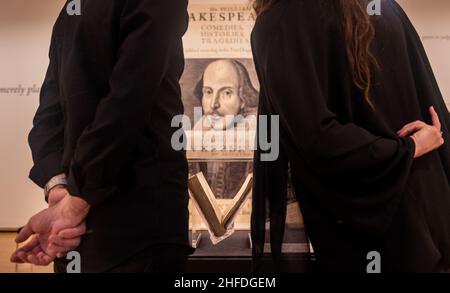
<point>432,20</point>
<point>25,28</point>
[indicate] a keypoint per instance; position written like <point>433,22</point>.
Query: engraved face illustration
<point>221,94</point>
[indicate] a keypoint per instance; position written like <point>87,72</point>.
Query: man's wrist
<point>79,205</point>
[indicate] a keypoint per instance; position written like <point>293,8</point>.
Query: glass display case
<point>220,92</point>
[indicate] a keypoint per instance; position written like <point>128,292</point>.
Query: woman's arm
<point>297,89</point>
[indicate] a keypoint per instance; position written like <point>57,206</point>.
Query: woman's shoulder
<point>300,14</point>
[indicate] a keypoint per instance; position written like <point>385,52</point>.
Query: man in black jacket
<point>101,140</point>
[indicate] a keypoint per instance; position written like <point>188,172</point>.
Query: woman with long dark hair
<point>363,127</point>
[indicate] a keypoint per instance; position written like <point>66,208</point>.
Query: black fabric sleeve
<point>346,173</point>
<point>148,30</point>
<point>46,138</point>
<point>269,198</point>
<point>351,173</point>
<point>297,90</point>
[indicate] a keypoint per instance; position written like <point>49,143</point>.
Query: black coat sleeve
<point>297,89</point>
<point>354,174</point>
<point>46,138</point>
<point>268,196</point>
<point>347,172</point>
<point>148,30</point>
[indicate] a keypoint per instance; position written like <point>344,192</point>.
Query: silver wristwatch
<point>55,181</point>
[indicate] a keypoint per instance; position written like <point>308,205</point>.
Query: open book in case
<point>220,189</point>
<point>218,220</point>
<point>221,218</point>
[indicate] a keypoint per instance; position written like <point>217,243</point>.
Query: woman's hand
<point>426,137</point>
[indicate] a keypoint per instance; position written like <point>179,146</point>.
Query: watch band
<point>55,181</point>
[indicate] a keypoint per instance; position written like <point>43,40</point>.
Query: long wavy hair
<point>359,34</point>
